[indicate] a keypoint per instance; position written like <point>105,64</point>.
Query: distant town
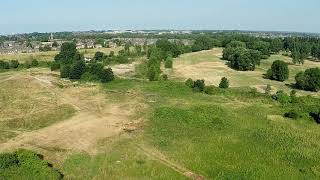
<point>37,42</point>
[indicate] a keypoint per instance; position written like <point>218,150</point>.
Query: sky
<point>20,16</point>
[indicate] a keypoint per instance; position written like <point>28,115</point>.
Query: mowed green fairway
<point>208,65</point>
<point>232,134</point>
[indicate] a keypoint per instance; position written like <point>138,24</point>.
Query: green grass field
<point>233,134</point>
<point>208,65</point>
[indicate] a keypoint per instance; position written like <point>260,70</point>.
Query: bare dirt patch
<point>97,117</point>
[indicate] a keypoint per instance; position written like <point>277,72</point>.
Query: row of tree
<point>73,66</point>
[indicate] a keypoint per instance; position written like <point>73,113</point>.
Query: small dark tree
<point>279,71</point>
<point>268,89</point>
<point>99,56</point>
<point>34,63</point>
<point>224,83</point>
<point>54,66</point>
<point>309,80</point>
<point>199,85</point>
<point>77,70</point>
<point>189,82</point>
<point>107,75</point>
<point>14,64</point>
<point>4,65</point>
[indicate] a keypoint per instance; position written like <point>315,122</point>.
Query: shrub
<point>98,56</point>
<point>4,65</point>
<point>107,75</point>
<point>189,82</point>
<point>27,65</point>
<point>282,97</point>
<point>54,66</point>
<point>77,70</point>
<point>292,115</point>
<point>164,77</point>
<point>309,80</point>
<point>169,62</point>
<point>199,85</point>
<point>224,83</point>
<point>279,71</point>
<point>315,115</point>
<point>7,160</point>
<point>14,64</point>
<point>209,90</point>
<point>34,63</point>
<point>65,71</point>
<point>89,77</point>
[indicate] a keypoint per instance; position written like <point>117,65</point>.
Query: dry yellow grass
<point>49,56</point>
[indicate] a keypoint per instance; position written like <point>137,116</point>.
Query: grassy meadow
<point>232,134</point>
<point>208,65</point>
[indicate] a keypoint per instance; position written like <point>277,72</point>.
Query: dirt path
<point>158,156</point>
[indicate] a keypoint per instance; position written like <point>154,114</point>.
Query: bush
<point>107,75</point>
<point>14,64</point>
<point>279,71</point>
<point>4,65</point>
<point>164,77</point>
<point>77,70</point>
<point>54,66</point>
<point>309,80</point>
<point>34,63</point>
<point>209,90</point>
<point>8,160</point>
<point>65,71</point>
<point>199,85</point>
<point>315,115</point>
<point>89,77</point>
<point>224,83</point>
<point>292,115</point>
<point>27,65</point>
<point>98,56</point>
<point>189,82</point>
<point>169,62</point>
<point>282,97</point>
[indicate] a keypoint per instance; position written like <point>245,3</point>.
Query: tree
<point>242,60</point>
<point>111,54</point>
<point>224,83</point>
<point>279,70</point>
<point>14,64</point>
<point>98,56</point>
<point>65,71</point>
<point>199,85</point>
<point>77,70</point>
<point>315,52</point>
<point>309,80</point>
<point>4,65</point>
<point>169,62</point>
<point>107,75</point>
<point>34,63</point>
<point>262,46</point>
<point>54,66</point>
<point>68,54</point>
<point>154,66</point>
<point>189,82</point>
<point>276,45</point>
<point>55,44</point>
<point>236,44</point>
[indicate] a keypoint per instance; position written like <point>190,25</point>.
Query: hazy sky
<point>67,15</point>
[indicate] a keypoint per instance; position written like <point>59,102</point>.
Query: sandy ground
<point>97,118</point>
